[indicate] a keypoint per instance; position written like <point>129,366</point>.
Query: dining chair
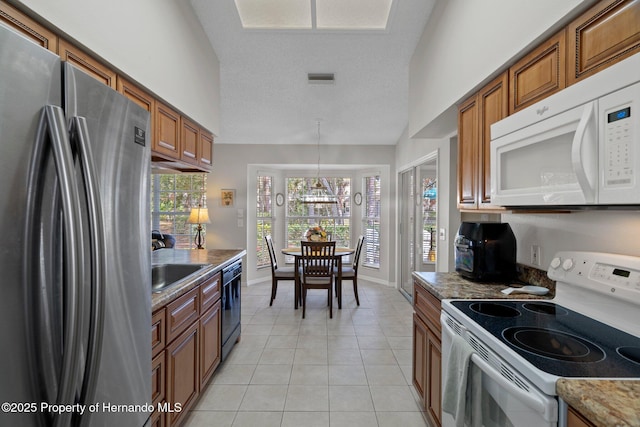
<point>277,274</point>
<point>318,259</point>
<point>350,271</point>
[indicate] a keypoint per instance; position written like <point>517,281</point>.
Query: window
<point>172,197</point>
<point>264,217</point>
<point>371,221</point>
<point>334,218</point>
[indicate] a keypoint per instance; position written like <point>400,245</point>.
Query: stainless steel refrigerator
<point>75,299</point>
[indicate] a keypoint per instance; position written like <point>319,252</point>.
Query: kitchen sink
<point>166,275</point>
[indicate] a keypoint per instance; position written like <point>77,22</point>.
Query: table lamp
<point>199,216</point>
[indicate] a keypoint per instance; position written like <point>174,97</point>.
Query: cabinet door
<point>210,343</point>
<point>140,97</point>
<point>467,153</point>
<point>183,373</point>
<point>86,63</point>
<point>190,138</point>
<point>167,131</point>
<point>419,356</point>
<point>574,419</point>
<point>206,148</point>
<point>539,74</point>
<point>433,396</point>
<point>493,102</point>
<point>158,379</point>
<point>26,26</point>
<point>602,36</point>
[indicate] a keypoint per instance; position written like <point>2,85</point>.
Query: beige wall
<point>465,43</point>
<point>158,43</point>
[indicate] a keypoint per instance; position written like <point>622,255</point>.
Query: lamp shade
<point>199,216</point>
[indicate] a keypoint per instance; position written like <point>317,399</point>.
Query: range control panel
<point>610,272</point>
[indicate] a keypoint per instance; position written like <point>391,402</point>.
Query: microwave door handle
<point>584,154</point>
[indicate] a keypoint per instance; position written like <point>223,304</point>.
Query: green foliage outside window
<point>172,197</point>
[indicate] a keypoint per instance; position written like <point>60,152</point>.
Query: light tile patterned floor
<point>353,370</point>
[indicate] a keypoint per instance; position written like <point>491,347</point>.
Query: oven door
<point>506,402</point>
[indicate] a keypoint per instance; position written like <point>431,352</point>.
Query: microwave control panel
<point>619,147</point>
<point>619,129</point>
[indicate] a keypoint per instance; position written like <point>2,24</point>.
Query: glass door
<point>407,231</point>
<point>418,205</point>
<point>427,216</point>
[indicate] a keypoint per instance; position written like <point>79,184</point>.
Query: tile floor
<point>353,370</point>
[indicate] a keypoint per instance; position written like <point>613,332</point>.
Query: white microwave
<point>578,147</point>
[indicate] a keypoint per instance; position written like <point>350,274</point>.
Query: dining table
<point>296,252</point>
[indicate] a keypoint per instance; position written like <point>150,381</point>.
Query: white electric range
<point>522,347</point>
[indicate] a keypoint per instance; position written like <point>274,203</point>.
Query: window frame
<point>371,247</point>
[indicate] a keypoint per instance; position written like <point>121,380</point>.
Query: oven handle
<point>528,399</point>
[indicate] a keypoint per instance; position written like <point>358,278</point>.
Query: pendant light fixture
<point>318,194</point>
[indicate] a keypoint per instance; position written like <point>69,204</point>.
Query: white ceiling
<point>265,96</point>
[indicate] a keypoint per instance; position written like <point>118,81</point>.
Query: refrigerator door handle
<point>53,120</point>
<point>80,134</point>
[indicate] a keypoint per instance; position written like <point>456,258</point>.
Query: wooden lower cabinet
<point>427,353</point>
<point>210,343</point>
<point>183,374</point>
<point>190,325</point>
<point>574,419</point>
<point>158,387</point>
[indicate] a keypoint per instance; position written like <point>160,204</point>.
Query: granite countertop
<point>216,259</point>
<point>606,403</point>
<point>453,286</point>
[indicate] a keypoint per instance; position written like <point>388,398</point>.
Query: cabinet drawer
<point>158,334</point>
<point>427,306</point>
<point>209,292</point>
<point>182,312</point>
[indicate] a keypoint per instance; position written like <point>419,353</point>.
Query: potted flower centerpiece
<point>316,234</point>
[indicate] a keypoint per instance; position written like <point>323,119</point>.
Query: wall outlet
<point>442,234</point>
<point>535,255</point>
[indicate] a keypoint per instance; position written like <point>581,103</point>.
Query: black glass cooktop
<point>557,340</point>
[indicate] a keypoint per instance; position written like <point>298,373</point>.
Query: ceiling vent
<point>321,78</point>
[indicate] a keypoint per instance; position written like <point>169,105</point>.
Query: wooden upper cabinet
<point>86,63</point>
<point>140,97</point>
<point>493,106</point>
<point>28,27</point>
<point>602,36</point>
<point>206,149</point>
<point>475,117</point>
<point>467,153</point>
<point>167,131</point>
<point>539,74</point>
<point>190,135</point>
